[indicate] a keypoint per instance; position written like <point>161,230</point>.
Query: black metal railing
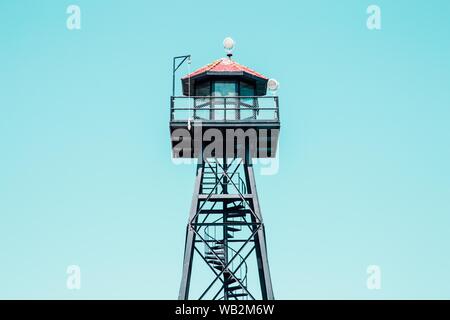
<point>231,108</point>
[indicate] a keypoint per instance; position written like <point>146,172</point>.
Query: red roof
<point>224,65</point>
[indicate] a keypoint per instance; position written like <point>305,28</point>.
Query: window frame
<point>237,81</point>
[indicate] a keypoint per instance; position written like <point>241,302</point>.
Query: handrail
<point>225,97</point>
<point>216,108</point>
<point>258,108</point>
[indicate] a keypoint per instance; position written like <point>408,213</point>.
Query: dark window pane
<point>202,89</point>
<point>247,105</point>
<point>247,89</point>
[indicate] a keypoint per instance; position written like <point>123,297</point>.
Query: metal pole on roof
<point>175,68</point>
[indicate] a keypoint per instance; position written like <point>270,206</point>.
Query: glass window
<point>224,88</point>
<point>201,105</point>
<point>247,105</point>
<point>247,89</point>
<point>202,89</point>
<point>225,107</point>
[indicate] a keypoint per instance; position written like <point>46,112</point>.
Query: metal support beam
<point>190,239</point>
<point>225,222</point>
<point>260,238</point>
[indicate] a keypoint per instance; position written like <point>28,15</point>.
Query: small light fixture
<point>228,45</point>
<point>273,85</point>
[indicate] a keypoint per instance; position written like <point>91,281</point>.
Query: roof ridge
<point>215,63</point>
<point>245,68</point>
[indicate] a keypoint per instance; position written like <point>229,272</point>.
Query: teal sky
<point>86,176</point>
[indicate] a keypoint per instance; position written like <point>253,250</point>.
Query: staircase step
<point>237,295</point>
<point>239,207</point>
<point>237,214</point>
<point>225,197</point>
<point>233,229</point>
<point>234,288</point>
<point>230,236</point>
<point>217,247</point>
<point>227,273</point>
<point>230,280</point>
<point>211,256</point>
<point>215,262</point>
<point>211,253</point>
<point>218,252</point>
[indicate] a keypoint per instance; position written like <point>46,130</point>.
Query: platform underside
<point>218,138</point>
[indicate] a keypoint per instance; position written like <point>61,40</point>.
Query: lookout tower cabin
<point>232,99</point>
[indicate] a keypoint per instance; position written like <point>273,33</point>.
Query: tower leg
<point>260,238</point>
<point>190,238</point>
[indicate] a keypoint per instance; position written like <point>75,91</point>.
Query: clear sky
<point>86,176</point>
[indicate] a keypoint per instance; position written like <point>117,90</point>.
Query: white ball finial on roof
<point>228,44</point>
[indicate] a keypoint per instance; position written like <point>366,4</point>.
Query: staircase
<point>219,251</point>
<point>209,178</point>
<point>217,255</point>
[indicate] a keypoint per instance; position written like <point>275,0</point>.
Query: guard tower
<point>224,119</point>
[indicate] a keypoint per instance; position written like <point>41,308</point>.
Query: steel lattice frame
<point>225,228</point>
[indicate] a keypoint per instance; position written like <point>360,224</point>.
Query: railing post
<point>211,108</point>
<point>238,109</point>
<point>255,108</point>
<point>194,107</point>
<point>172,102</point>
<point>277,111</point>
<point>224,108</point>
